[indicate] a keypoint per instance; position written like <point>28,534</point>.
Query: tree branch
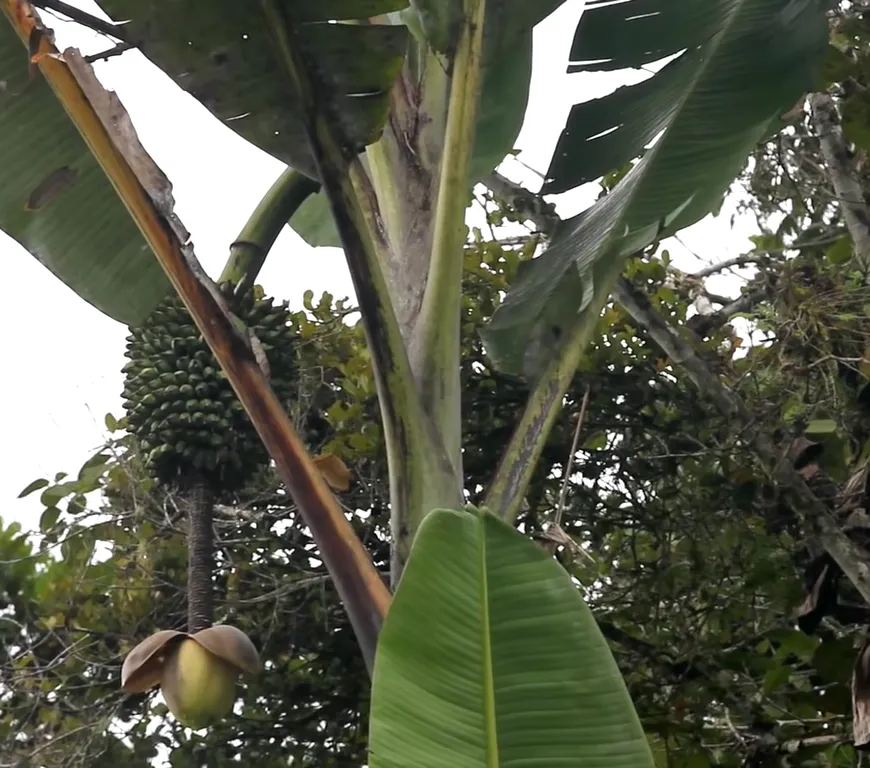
<point>847,188</point>
<point>737,261</point>
<point>792,746</point>
<point>845,552</point>
<point>115,50</point>
<point>85,19</point>
<point>678,350</point>
<point>703,325</point>
<point>532,205</point>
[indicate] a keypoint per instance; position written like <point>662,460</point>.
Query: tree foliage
<point>688,555</point>
<point>731,624</point>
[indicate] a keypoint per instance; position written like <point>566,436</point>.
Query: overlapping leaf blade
<point>489,656</point>
<point>223,53</point>
<point>713,104</point>
<point>56,201</point>
<point>507,74</point>
<point>439,20</point>
<point>631,33</point>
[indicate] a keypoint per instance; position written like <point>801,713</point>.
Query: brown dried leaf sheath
<point>143,666</point>
<point>232,645</point>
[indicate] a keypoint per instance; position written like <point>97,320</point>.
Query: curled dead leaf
<point>820,582</point>
<point>334,471</point>
<point>802,451</point>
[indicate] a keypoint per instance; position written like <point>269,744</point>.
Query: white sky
<point>65,357</point>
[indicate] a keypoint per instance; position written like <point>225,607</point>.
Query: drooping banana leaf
<point>489,657</point>
<point>747,62</point>
<point>223,53</point>
<point>56,201</point>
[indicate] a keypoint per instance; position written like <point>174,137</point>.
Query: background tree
<point>653,564</point>
<point>672,519</point>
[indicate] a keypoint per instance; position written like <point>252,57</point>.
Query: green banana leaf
<point>711,107</point>
<point>222,52</point>
<point>507,74</point>
<point>489,657</point>
<point>57,203</point>
<point>55,199</point>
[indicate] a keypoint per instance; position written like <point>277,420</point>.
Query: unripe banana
<point>172,370</point>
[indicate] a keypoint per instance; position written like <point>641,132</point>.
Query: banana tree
<point>387,114</point>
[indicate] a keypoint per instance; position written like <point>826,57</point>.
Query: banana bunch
<point>179,403</point>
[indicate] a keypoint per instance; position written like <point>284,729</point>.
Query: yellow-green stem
<point>435,354</point>
<point>420,473</point>
<point>248,252</point>
<point>511,481</point>
<point>404,165</point>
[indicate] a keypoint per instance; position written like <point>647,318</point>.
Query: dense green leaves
<point>695,560</point>
<point>56,201</point>
<point>491,641</point>
<point>712,106</point>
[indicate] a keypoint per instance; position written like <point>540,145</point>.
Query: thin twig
<point>560,508</point>
<point>794,745</point>
<point>541,213</point>
<point>115,50</point>
<point>84,18</point>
